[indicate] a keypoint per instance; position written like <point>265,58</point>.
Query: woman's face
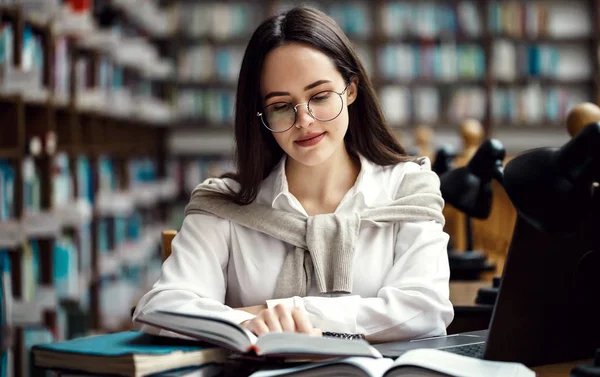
<point>294,73</point>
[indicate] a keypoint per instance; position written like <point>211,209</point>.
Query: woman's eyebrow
<point>307,87</point>
<point>315,84</point>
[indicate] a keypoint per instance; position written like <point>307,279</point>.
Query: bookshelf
<point>390,33</point>
<point>93,169</point>
<point>84,189</point>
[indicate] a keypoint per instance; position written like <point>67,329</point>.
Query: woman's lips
<point>310,140</point>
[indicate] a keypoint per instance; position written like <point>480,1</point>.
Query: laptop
<point>548,306</point>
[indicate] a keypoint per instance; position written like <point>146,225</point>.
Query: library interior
<point>113,111</point>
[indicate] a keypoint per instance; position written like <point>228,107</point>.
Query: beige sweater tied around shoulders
<point>324,242</point>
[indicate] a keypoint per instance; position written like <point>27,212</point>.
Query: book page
<point>295,344</point>
<point>213,330</point>
<point>364,367</point>
<point>458,365</point>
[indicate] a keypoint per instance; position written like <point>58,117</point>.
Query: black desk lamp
<point>443,160</point>
<point>469,189</point>
<point>551,187</point>
<point>554,252</point>
<point>443,163</point>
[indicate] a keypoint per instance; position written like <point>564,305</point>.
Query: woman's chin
<point>308,157</point>
<point>312,157</point>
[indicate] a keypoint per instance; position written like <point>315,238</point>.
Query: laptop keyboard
<point>471,350</point>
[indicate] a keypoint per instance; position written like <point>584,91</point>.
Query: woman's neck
<point>321,188</point>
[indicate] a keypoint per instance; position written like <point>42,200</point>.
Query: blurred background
<point>112,111</point>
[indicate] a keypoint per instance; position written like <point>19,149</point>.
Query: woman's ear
<point>352,90</point>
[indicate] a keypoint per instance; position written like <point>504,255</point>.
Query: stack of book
<point>207,346</point>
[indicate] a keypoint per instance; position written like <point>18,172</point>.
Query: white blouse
<point>401,272</point>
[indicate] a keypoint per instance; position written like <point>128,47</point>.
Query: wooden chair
<point>167,238</point>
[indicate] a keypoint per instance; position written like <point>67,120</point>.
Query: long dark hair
<point>257,152</point>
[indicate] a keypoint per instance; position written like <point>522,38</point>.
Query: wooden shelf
<point>211,84</point>
<point>202,124</point>
<point>424,81</point>
<point>170,2</point>
<point>546,39</point>
<point>544,125</point>
<point>189,40</point>
<point>12,98</point>
<point>124,17</point>
<point>164,81</point>
<point>9,153</point>
<point>37,26</point>
<point>9,12</point>
<point>416,39</point>
<point>545,81</point>
<point>185,40</point>
<point>464,39</point>
<point>441,124</point>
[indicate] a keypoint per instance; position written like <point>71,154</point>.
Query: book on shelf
<point>7,190</point>
<point>414,363</point>
<point>236,338</point>
<point>6,301</point>
<point>129,353</point>
<point>30,337</point>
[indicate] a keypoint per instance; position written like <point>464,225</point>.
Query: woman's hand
<point>253,309</point>
<point>279,319</point>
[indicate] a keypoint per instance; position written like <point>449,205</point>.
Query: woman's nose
<point>303,116</point>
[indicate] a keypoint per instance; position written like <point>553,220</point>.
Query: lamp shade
<point>443,160</point>
<point>469,188</point>
<point>552,187</point>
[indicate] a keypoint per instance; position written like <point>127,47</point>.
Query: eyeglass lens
<point>323,106</point>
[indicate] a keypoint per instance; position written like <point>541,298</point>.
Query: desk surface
<point>557,370</point>
<point>463,293</point>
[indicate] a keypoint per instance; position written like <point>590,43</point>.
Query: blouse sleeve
<point>193,278</point>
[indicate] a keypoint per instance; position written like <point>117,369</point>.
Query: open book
<point>414,363</point>
<point>234,337</point>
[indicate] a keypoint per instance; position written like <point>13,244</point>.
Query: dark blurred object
<point>105,14</point>
<point>588,370</point>
<point>555,250</point>
<point>488,295</point>
<point>342,335</point>
<point>442,163</point>
<point>469,189</point>
<point>543,183</point>
<point>443,160</point>
<point>551,187</point>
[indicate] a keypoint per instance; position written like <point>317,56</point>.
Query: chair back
<point>167,239</point>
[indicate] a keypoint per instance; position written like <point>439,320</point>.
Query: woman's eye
<point>280,107</point>
<point>321,97</point>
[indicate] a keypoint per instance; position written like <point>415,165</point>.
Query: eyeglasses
<point>324,106</point>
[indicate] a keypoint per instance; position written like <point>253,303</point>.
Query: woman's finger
<point>285,318</point>
<point>316,332</point>
<point>303,325</point>
<point>271,320</point>
<point>257,326</point>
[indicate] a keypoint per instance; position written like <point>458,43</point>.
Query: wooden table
<point>468,316</point>
<point>558,370</point>
<point>463,293</point>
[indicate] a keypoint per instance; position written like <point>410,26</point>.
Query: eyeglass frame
<point>260,114</point>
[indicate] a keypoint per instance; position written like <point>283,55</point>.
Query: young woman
<point>328,225</point>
